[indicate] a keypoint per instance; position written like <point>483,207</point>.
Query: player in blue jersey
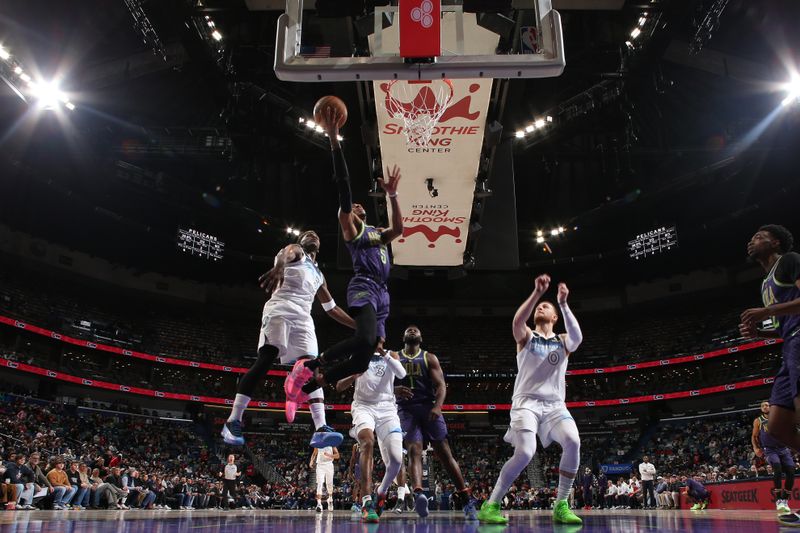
<point>421,395</point>
<point>777,455</point>
<point>779,317</point>
<point>367,293</point>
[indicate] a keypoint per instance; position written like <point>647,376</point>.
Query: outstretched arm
<point>574,336</point>
<point>393,362</point>
<point>333,310</point>
<point>520,324</point>
<point>340,175</point>
<point>390,187</point>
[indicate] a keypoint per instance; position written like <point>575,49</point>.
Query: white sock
<point>318,414</point>
<point>564,484</point>
<point>401,493</point>
<point>239,405</point>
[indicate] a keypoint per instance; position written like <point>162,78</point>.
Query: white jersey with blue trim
<point>376,385</point>
<point>542,369</point>
<point>301,281</point>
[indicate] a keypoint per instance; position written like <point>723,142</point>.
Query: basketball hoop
<point>420,105</point>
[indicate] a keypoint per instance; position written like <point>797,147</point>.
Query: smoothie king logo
<point>433,222</point>
<point>425,102</point>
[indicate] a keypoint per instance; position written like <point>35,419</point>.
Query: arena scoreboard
<point>653,242</point>
<point>200,244</point>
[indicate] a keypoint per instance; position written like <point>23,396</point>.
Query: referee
<point>229,477</point>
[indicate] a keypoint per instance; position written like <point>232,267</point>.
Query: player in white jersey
<point>374,413</point>
<point>537,406</point>
<point>324,458</point>
<point>287,333</point>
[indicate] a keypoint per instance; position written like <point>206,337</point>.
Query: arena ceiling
<point>651,136</point>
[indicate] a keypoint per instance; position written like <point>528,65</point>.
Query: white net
<point>419,105</point>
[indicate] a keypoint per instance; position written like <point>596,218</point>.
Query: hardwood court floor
<point>344,522</point>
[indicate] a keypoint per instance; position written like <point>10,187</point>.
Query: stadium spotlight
<point>520,134</point>
<point>4,54</point>
<point>792,91</point>
<point>635,33</point>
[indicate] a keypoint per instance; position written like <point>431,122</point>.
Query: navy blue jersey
<point>780,287</point>
<point>370,256</point>
<point>418,378</point>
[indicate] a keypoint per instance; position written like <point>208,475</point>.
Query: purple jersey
<point>780,287</point>
<point>764,438</point>
<point>370,256</point>
<point>418,379</point>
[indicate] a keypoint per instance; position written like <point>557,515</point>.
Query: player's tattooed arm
<point>390,187</point>
<point>754,438</point>
<point>519,325</point>
<point>273,279</point>
<point>336,313</point>
<point>313,458</point>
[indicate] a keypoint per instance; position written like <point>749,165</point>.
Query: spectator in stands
<point>697,492</point>
<point>8,486</point>
<point>662,493</point>
<point>80,492</point>
<point>85,484</point>
<point>115,492</point>
<point>63,491</point>
<point>41,481</point>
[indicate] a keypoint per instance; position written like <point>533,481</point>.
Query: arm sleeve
<point>342,179</point>
<point>788,270</point>
<point>574,335</point>
<point>397,367</point>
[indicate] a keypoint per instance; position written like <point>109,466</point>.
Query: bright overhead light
<point>210,23</point>
<point>561,229</point>
<point>520,134</point>
<point>554,232</point>
<point>339,138</point>
<point>310,124</point>
<point>318,128</point>
<point>635,33</point>
<point>18,70</point>
<point>4,54</point>
<point>629,44</point>
<point>48,94</point>
<point>549,118</point>
<point>539,123</point>
<point>302,120</point>
<point>529,128</point>
<point>642,20</point>
<point>24,77</point>
<point>70,106</point>
<point>540,240</point>
<point>216,35</point>
<point>539,233</point>
<point>289,230</point>
<point>792,91</point>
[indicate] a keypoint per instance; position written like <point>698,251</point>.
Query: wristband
<point>327,306</point>
<point>392,195</point>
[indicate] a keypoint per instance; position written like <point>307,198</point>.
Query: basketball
<point>329,101</point>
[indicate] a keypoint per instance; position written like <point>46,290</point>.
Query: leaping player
<point>771,248</point>
<point>367,293</point>
<point>777,455</point>
<point>537,406</point>
<point>287,332</point>
<point>374,414</point>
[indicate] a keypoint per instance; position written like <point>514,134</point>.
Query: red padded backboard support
<point>420,28</point>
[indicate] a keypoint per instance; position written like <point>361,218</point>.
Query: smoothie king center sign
<point>434,227</point>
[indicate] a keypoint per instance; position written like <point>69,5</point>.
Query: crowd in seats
<point>463,343</point>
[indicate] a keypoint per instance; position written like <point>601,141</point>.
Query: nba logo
<point>529,40</point>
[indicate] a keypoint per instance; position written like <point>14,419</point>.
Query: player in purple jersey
<point>367,294</point>
<point>780,293</point>
<point>420,397</point>
<point>777,455</point>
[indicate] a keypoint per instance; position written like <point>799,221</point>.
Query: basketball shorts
<point>785,387</point>
<point>381,418</point>
<point>292,334</point>
<point>781,455</point>
<point>365,291</point>
<point>537,416</point>
<point>418,426</point>
<point>325,476</point>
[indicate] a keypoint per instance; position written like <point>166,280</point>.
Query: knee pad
<point>267,354</point>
